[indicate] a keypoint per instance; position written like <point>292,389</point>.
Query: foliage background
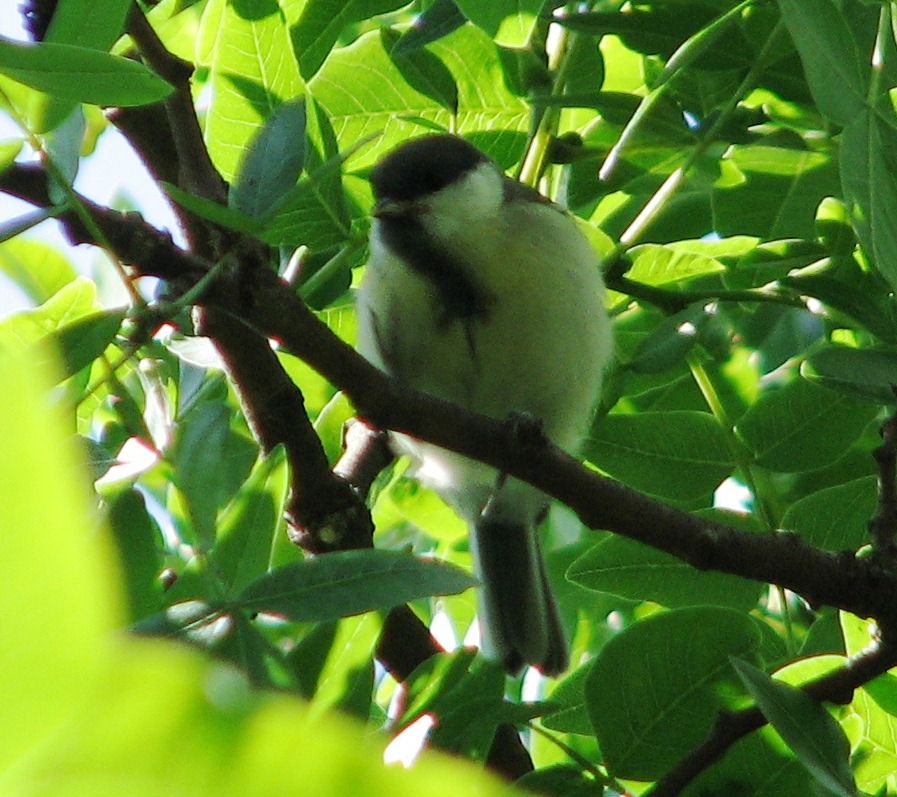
<point>733,165</point>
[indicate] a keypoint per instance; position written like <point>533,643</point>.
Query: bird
<point>481,291</point>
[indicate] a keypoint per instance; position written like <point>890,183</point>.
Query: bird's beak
<point>391,208</point>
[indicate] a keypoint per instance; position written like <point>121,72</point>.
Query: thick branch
<point>860,586</point>
<point>856,585</point>
<point>323,506</point>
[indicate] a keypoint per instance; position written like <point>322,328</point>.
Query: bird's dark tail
<point>519,620</point>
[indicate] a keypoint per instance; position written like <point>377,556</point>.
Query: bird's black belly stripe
<point>462,299</point>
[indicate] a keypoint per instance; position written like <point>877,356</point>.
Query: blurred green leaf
<point>59,582</point>
<point>72,302</point>
<point>35,267</point>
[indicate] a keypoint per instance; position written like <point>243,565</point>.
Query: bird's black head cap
<point>423,166</point>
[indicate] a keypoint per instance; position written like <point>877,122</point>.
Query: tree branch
<point>836,687</point>
<point>196,173</point>
<point>859,586</point>
<point>883,525</point>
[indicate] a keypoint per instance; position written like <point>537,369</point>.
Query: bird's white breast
<point>542,345</point>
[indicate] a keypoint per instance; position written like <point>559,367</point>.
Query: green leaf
<point>216,736</point>
<point>802,427</point>
<point>770,261</point>
<point>836,67</point>
<point>252,72</point>
<point>440,19</point>
<point>58,573</point>
<point>876,758</point>
<point>138,541</point>
<point>307,658</point>
<point>9,151</point>
<point>868,156</point>
<point>208,209</point>
<point>321,23</point>
<point>775,192</point>
<point>88,23</point>
<point>366,91</point>
<point>654,264</point>
<point>35,267</point>
<point>198,461</point>
<point>566,779</point>
<point>679,454</point>
<point>631,570</point>
<point>758,765</point>
<point>314,213</point>
<point>346,668</point>
<point>837,517</point>
<point>855,294</point>
<point>243,644</point>
<point>81,342</point>
<point>246,530</point>
<point>806,727</point>
<point>73,301</point>
<point>272,163</point>
<point>85,23</point>
<point>570,714</point>
<point>351,582</point>
<point>658,30</point>
<point>509,22</point>
<point>81,74</point>
<point>868,373</point>
<point>649,710</point>
<point>466,693</point>
<point>672,339</point>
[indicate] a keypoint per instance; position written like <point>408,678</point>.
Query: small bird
<point>481,291</point>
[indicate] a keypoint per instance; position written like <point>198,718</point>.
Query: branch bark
<point>857,585</point>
